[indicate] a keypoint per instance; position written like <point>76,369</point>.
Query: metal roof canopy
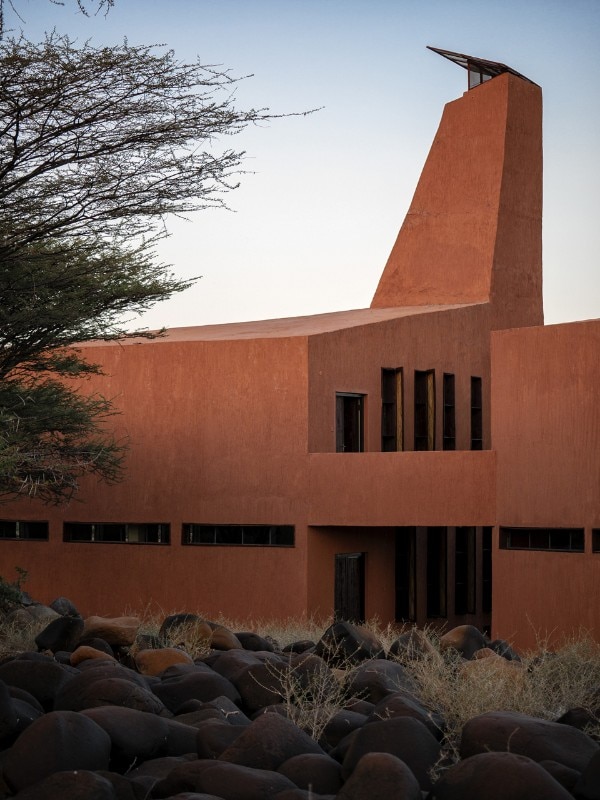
<point>479,69</point>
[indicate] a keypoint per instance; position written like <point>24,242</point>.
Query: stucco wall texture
<point>236,424</point>
<point>546,434</point>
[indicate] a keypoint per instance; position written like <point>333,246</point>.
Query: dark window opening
<point>596,540</point>
<point>23,529</point>
<point>476,414</point>
<point>425,410</point>
<point>392,410</point>
<point>349,587</point>
<point>486,570</point>
<point>436,571</point>
<point>117,532</point>
<point>406,574</point>
<point>465,570</point>
<point>449,422</point>
<point>570,540</point>
<point>247,535</point>
<point>349,411</point>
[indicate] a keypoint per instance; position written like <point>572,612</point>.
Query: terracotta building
<point>385,462</point>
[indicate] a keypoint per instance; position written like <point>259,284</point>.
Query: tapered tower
<point>473,233</point>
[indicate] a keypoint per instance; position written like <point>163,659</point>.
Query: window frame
<point>210,532</point>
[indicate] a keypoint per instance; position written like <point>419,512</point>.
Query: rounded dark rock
<point>339,726</point>
<point>213,738</point>
<point>498,776</point>
<point>115,691</point>
<point>133,734</point>
<point>193,682</point>
<point>72,785</point>
<point>404,704</point>
<point>254,642</point>
<point>64,607</point>
<point>269,741</point>
<point>539,739</point>
<point>344,643</point>
<point>60,740</point>
<point>376,679</point>
<point>404,737</point>
<point>61,634</point>
<point>380,776</point>
<point>225,780</point>
<point>319,773</point>
<point>42,677</point>
<point>466,639</point>
<point>588,785</point>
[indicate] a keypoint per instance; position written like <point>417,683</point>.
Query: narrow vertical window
<point>449,426</point>
<point>464,570</point>
<point>392,410</point>
<point>425,410</point>
<point>476,415</point>
<point>349,413</point>
<point>486,570</point>
<point>436,572</point>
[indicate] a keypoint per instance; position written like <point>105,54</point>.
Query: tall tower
<point>473,233</point>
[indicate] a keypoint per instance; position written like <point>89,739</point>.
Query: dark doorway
<point>406,579</point>
<point>349,409</point>
<point>349,587</point>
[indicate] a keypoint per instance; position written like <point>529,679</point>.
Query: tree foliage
<point>98,146</point>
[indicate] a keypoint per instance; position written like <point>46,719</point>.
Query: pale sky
<point>315,221</point>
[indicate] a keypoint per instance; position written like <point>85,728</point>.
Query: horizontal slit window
<point>570,540</point>
<point>118,532</point>
<point>247,535</point>
<point>23,529</point>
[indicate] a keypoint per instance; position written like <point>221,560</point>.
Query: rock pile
<point>101,712</point>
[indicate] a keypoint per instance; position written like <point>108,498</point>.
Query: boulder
<point>223,780</point>
<point>154,662</point>
<point>269,741</point>
<point>403,704</point>
<point>588,785</point>
<point>344,644</point>
<point>196,682</point>
<point>215,736</point>
<point>412,645</point>
<point>254,642</point>
<point>538,739</point>
<point>498,776</point>
<point>74,785</point>
<point>64,607</point>
<point>404,737</point>
<point>117,631</point>
<point>84,653</point>
<point>339,726</point>
<point>380,776</point>
<point>61,634</point>
<point>60,740</point>
<point>42,677</point>
<point>374,680</point>
<point>115,691</point>
<point>466,639</point>
<point>314,771</point>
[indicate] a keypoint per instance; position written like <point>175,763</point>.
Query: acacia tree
<point>97,147</point>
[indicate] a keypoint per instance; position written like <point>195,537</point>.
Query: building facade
<point>401,461</point>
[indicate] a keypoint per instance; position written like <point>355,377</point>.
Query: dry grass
<point>543,684</point>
